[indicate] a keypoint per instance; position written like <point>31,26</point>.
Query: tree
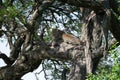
<point>27,26</point>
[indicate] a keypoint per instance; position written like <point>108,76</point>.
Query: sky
<point>4,48</point>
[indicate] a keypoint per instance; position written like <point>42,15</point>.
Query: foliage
<point>111,72</point>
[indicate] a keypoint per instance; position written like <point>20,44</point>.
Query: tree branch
<point>14,52</point>
<point>94,5</point>
<point>115,27</point>
<point>6,59</point>
<point>39,11</point>
<point>16,49</point>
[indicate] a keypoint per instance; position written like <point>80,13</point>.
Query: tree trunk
<point>77,70</point>
<point>92,36</point>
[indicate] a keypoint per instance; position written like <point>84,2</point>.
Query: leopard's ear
<point>57,34</point>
